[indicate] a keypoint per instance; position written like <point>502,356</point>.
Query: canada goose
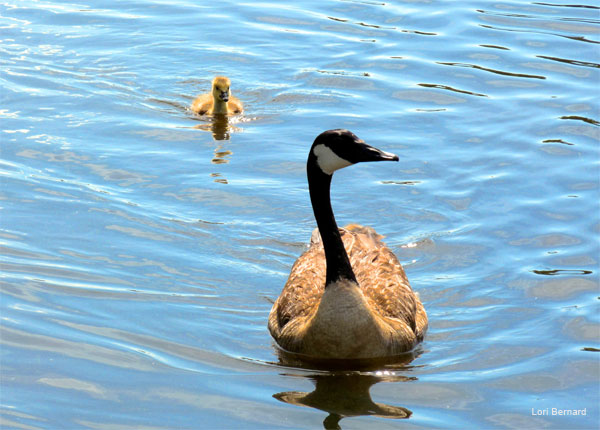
<point>219,100</point>
<point>335,306</point>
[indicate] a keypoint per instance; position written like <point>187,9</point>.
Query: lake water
<point>142,247</point>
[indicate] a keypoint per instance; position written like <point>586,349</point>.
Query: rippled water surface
<point>142,247</point>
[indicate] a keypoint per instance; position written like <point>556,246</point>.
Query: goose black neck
<point>338,263</point>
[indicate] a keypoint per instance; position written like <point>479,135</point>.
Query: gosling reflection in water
<point>220,157</point>
<point>219,126</point>
<point>346,395</point>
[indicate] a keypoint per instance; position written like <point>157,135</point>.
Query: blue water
<point>142,247</point>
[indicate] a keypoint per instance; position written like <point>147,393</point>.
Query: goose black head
<point>336,149</point>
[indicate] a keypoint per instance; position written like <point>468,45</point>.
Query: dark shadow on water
<point>342,387</point>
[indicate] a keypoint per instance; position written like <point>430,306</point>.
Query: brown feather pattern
<point>380,277</point>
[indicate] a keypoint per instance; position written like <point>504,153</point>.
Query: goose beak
<point>369,153</point>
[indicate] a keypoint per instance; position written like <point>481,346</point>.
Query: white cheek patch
<point>328,161</point>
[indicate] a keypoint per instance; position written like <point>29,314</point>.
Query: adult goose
<point>347,296</point>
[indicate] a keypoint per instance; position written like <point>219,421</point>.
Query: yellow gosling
<point>219,100</point>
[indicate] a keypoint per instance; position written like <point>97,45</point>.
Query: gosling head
<point>220,88</point>
<point>336,149</point>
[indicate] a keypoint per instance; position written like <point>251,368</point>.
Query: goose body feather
<point>378,316</point>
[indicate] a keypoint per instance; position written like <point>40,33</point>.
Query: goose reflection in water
<point>342,386</point>
<point>344,395</point>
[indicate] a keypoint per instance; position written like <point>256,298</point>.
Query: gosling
<point>219,100</point>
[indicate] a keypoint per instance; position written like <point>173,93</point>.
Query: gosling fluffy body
<point>219,100</point>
